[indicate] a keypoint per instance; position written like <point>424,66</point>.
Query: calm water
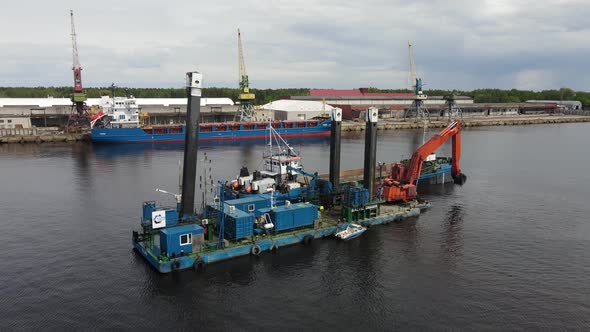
<point>509,249</point>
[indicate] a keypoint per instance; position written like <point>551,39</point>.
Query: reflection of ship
<point>113,150</point>
<point>120,123</point>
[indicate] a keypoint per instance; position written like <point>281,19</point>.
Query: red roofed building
<point>362,92</point>
<point>390,104</point>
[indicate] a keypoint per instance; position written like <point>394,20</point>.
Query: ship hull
<point>138,135</point>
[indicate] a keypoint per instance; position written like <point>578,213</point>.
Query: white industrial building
<point>43,112</point>
<point>288,109</point>
<point>570,105</point>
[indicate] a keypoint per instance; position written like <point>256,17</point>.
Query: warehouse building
<point>355,102</point>
<point>47,112</point>
<point>288,109</point>
<point>564,105</point>
<point>15,122</point>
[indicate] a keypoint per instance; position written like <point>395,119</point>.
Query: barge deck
<point>326,226</point>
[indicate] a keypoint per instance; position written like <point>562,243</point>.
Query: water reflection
<point>112,150</point>
<point>452,235</point>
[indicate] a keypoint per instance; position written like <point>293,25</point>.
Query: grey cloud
<point>458,44</point>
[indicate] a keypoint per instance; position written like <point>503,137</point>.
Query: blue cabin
<point>250,203</point>
<point>178,240</point>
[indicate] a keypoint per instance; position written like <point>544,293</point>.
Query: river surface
<point>510,249</point>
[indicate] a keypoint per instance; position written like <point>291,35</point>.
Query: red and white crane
<point>79,97</point>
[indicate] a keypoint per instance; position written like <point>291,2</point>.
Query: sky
<point>538,44</point>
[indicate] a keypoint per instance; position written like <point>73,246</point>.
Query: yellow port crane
<point>246,111</point>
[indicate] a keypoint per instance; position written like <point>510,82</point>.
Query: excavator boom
<point>402,184</point>
<point>415,166</point>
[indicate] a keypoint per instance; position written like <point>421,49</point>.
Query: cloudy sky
<point>537,44</point>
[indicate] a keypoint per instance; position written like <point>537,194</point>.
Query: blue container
<point>171,217</point>
<point>294,216</point>
<point>238,225</point>
<point>282,218</point>
<point>356,196</point>
<point>148,208</point>
<point>304,215</point>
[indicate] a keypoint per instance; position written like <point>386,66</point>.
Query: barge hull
<point>200,259</point>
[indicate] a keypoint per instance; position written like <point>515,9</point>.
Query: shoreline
<point>469,121</point>
<point>32,135</point>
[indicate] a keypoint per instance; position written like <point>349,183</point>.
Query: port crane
<point>417,109</point>
<point>79,115</point>
<point>401,186</point>
<point>246,111</point>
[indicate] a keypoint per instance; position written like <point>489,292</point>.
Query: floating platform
<point>439,175</point>
<point>326,226</point>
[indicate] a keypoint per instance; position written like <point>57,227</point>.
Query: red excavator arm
<point>415,166</point>
<point>405,189</point>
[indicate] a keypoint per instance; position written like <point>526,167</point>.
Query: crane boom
<point>412,66</point>
<point>78,98</point>
<point>245,97</point>
<point>243,76</point>
<point>76,67</point>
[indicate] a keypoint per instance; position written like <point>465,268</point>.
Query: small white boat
<point>352,231</point>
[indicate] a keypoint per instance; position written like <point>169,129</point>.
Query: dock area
<point>41,135</point>
<point>468,121</point>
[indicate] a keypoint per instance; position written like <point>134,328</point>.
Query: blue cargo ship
<point>120,123</point>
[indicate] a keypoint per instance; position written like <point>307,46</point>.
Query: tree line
<point>507,96</point>
<point>264,96</point>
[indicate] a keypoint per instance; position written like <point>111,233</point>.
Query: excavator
<point>401,185</point>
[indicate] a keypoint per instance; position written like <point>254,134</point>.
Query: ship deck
<point>326,226</point>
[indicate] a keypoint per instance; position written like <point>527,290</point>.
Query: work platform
<point>327,225</point>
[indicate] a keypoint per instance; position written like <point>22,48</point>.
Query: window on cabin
<point>122,117</point>
<point>186,239</point>
<point>1,121</point>
<point>9,121</point>
<point>250,207</point>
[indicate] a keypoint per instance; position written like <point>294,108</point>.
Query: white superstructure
<point>122,112</point>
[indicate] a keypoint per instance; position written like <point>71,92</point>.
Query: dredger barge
<point>280,205</point>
